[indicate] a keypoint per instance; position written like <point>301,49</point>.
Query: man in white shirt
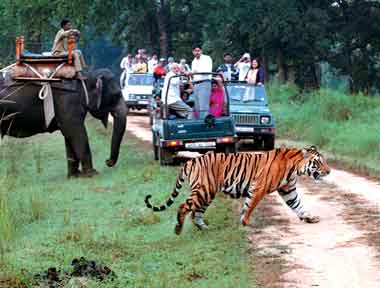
<point>126,65</point>
<point>244,64</point>
<point>172,90</point>
<point>201,64</point>
<point>152,63</point>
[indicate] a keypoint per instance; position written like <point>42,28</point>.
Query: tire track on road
<point>332,253</point>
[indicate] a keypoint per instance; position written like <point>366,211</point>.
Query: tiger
<point>249,175</point>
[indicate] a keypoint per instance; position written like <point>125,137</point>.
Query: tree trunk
<point>163,19</point>
<point>280,66</point>
<point>265,63</point>
<point>307,77</point>
<point>292,70</point>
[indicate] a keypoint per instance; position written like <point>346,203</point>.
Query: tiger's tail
<point>178,185</point>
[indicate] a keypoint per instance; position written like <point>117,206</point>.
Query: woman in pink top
<point>217,98</point>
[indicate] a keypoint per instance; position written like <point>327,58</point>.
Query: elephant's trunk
<point>119,114</point>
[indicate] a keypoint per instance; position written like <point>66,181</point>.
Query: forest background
<point>312,43</point>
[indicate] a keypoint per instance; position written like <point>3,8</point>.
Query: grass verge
<point>346,126</point>
<point>47,220</point>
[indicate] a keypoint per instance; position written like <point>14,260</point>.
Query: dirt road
<point>341,251</point>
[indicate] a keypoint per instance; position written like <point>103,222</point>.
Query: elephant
<point>22,114</point>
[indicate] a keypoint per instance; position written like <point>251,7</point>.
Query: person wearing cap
<point>243,65</point>
<point>159,71</point>
<point>201,64</point>
<point>227,69</point>
<point>171,95</point>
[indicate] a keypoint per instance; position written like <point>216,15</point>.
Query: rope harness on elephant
<point>46,93</point>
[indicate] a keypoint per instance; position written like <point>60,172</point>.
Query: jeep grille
<point>246,119</point>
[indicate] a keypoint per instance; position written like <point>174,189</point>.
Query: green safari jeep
<point>250,110</point>
<point>172,134</point>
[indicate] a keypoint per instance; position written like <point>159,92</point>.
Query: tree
<point>357,43</point>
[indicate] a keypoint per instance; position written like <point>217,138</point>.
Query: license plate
<point>245,129</point>
<point>143,102</point>
<point>209,144</point>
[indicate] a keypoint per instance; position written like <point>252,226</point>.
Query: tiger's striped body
<point>245,175</point>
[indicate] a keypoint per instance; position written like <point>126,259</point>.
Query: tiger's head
<point>315,164</point>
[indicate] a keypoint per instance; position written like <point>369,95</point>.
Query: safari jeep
<point>137,91</point>
<point>172,134</point>
<point>250,110</point>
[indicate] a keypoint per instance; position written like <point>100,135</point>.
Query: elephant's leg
<point>76,135</point>
<point>72,160</point>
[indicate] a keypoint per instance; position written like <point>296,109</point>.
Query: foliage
<point>356,50</point>
<point>289,35</point>
<point>333,121</point>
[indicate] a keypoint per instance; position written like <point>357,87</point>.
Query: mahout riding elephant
<point>22,114</point>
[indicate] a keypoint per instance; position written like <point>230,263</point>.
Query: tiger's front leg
<point>290,196</point>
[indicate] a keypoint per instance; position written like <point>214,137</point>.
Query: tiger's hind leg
<point>197,205</point>
<point>198,219</point>
<point>255,194</point>
<point>183,210</point>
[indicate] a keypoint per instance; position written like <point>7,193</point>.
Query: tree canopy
<point>290,36</point>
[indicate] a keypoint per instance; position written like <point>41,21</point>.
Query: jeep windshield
<point>246,94</point>
<point>141,79</point>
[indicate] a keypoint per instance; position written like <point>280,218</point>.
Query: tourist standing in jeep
<point>201,64</point>
<point>126,65</point>
<point>243,66</point>
<point>227,69</point>
<point>256,74</point>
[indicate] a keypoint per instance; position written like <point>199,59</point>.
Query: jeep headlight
<point>132,96</point>
<point>265,120</point>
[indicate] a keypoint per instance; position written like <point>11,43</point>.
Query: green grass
<point>344,125</point>
<point>47,220</point>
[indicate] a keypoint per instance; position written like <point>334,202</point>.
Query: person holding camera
<point>243,65</point>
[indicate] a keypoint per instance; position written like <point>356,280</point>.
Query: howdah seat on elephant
<point>31,66</point>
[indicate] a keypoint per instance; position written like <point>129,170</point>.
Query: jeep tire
<point>165,156</point>
<point>268,143</point>
<point>155,147</point>
<point>230,148</point>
